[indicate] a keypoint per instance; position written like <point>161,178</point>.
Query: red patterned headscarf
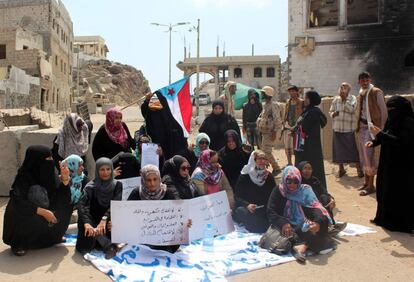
<point>116,133</point>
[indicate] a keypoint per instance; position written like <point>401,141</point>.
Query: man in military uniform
<point>268,123</point>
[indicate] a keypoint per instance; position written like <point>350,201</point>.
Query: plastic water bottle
<point>208,239</point>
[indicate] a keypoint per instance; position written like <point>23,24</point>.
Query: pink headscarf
<point>116,133</point>
<point>207,172</point>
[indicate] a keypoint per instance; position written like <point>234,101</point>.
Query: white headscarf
<point>257,176</point>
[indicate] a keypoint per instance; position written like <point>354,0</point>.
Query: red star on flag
<point>171,91</point>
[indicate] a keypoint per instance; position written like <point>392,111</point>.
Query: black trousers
<point>86,244</point>
<point>254,222</point>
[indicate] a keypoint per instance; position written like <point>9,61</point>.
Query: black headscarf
<point>184,185</point>
<point>128,163</point>
<point>314,98</point>
<point>36,170</point>
<point>399,108</point>
<point>314,101</point>
<point>104,189</point>
<point>235,136</point>
<point>220,116</point>
<point>234,160</point>
<point>314,182</point>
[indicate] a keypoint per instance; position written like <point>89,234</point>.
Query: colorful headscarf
<point>197,149</point>
<point>207,172</point>
<point>257,176</point>
<point>73,162</point>
<point>303,196</point>
<point>70,139</point>
<point>144,192</point>
<point>116,133</point>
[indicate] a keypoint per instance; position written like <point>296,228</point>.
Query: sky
<point>131,39</point>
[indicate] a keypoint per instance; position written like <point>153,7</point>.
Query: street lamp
<point>170,29</point>
<point>197,28</point>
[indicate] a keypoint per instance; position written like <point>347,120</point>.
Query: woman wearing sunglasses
<point>294,209</point>
<point>192,152</point>
<point>176,173</point>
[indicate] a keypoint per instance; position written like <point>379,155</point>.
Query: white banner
<point>129,184</point>
<point>165,222</point>
<point>149,155</point>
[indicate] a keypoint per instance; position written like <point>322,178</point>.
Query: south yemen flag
<point>178,97</point>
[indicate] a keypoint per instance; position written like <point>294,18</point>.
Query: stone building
<point>331,41</point>
<point>37,37</point>
<point>93,46</point>
<point>254,71</point>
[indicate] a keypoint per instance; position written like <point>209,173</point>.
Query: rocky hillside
<point>121,84</point>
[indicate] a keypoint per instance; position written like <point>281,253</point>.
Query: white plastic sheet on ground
<point>234,253</point>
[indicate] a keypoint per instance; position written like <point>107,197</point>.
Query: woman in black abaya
<point>395,193</point>
<point>233,157</point>
<point>39,209</point>
<point>161,126</point>
<point>308,145</point>
<point>216,124</point>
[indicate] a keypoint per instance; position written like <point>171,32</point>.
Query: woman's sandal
<point>362,187</point>
<point>19,252</point>
<point>367,191</point>
<point>300,257</point>
<point>341,173</point>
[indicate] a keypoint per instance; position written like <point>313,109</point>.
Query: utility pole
<point>198,69</point>
<point>170,30</point>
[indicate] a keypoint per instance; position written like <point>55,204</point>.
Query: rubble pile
<point>121,84</point>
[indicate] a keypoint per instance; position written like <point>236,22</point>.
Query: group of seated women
<point>41,202</point>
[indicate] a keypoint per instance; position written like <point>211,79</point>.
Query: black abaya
<point>395,191</point>
<point>216,125</point>
<point>246,193</point>
<point>163,129</point>
<point>103,146</point>
<point>232,161</point>
<point>23,227</point>
<point>312,120</point>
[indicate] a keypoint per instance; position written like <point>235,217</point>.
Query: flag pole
<point>135,102</point>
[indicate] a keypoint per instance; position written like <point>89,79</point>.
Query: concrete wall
<point>257,82</point>
<point>322,58</point>
<point>51,20</point>
<point>9,163</point>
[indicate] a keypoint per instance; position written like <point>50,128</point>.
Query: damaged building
<point>331,41</point>
<point>36,41</point>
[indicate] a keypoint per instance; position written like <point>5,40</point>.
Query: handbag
<point>38,196</point>
<point>274,242</point>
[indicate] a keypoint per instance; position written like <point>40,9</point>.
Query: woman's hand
<point>64,173</point>
<point>101,228</point>
<point>189,223</point>
<point>287,230</point>
<point>369,144</point>
<point>252,208</point>
<point>148,96</point>
<point>314,227</point>
<point>332,204</point>
<point>117,171</point>
<point>89,230</point>
<point>375,130</point>
<point>191,147</point>
<point>159,151</point>
<point>47,215</point>
<point>247,148</point>
<point>109,226</point>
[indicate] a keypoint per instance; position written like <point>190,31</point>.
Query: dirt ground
<point>383,256</point>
